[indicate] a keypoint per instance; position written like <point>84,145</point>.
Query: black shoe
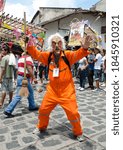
<point>9,115</point>
<point>88,87</point>
<point>10,101</point>
<point>34,109</point>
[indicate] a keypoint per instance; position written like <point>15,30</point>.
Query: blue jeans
<point>83,74</point>
<point>97,74</point>
<point>10,108</point>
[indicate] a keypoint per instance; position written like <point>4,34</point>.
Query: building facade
<point>59,20</point>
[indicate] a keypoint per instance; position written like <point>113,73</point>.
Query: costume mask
<point>56,40</point>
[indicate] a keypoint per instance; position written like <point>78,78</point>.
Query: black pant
<point>90,78</point>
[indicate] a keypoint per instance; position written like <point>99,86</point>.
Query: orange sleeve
<point>74,56</point>
<point>38,55</point>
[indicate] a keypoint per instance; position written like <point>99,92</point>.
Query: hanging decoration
<point>79,30</point>
<point>12,29</point>
<point>76,33</point>
<point>2,4</point>
<point>17,33</point>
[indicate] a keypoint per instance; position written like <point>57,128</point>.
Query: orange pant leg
<point>44,111</point>
<point>71,109</point>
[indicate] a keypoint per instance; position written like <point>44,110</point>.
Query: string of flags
<point>12,29</point>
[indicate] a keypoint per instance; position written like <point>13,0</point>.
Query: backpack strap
<point>63,57</point>
<point>49,60</point>
<point>66,60</point>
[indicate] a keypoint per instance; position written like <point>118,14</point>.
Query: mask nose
<point>56,44</point>
<point>57,48</point>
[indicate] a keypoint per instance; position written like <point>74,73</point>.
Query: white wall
<point>65,24</point>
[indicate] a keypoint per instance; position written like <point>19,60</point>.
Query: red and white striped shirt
<point>29,61</point>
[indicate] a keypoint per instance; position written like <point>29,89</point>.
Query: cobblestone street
<point>16,132</point>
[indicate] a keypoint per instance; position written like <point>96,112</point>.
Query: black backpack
<point>63,57</point>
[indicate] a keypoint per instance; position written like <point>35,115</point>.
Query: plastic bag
<point>12,60</point>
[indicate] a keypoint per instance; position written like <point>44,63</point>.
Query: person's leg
<point>97,84</point>
<point>97,77</point>
<point>10,89</point>
<point>4,89</point>
<point>44,111</point>
<point>31,101</point>
<point>83,78</point>
<point>89,77</point>
<point>3,96</point>
<point>105,78</point>
<point>71,109</point>
<point>46,73</point>
<point>10,96</point>
<point>10,108</point>
<point>41,74</point>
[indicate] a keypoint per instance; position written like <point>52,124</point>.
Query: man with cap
<point>6,74</point>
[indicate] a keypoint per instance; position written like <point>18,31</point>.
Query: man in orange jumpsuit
<point>60,89</point>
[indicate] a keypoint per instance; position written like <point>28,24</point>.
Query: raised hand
<point>86,42</point>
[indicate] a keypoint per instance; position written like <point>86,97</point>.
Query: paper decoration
<point>32,41</point>
<point>5,25</point>
<point>79,30</point>
<point>28,32</point>
<point>42,35</point>
<point>34,35</point>
<point>12,60</point>
<point>76,32</point>
<point>0,22</point>
<point>21,42</point>
<point>41,40</point>
<point>2,3</point>
<point>17,33</point>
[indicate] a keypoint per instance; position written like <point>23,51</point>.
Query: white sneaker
<point>97,90</point>
<point>102,84</point>
<point>35,131</point>
<point>80,138</point>
<point>81,89</point>
<point>78,88</point>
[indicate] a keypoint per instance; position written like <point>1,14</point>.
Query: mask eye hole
<point>53,42</point>
<point>60,42</point>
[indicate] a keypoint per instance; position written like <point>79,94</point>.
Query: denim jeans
<point>17,97</point>
<point>83,74</point>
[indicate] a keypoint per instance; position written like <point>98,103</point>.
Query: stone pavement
<point>16,132</point>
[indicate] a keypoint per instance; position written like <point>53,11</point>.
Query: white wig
<point>57,35</point>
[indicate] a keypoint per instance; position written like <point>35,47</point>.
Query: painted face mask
<point>56,40</point>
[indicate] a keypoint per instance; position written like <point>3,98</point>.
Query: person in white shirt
<point>97,66</point>
<point>103,65</point>
<point>83,72</point>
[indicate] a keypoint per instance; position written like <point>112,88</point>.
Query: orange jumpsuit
<point>60,90</point>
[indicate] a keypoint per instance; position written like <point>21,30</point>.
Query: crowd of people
<point>56,66</point>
